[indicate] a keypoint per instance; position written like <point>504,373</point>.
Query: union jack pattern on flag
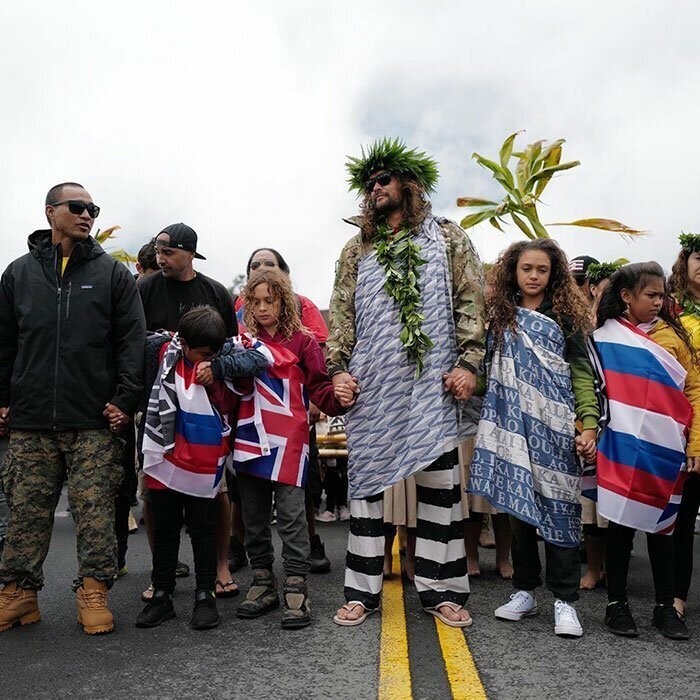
<point>272,430</point>
<point>641,453</point>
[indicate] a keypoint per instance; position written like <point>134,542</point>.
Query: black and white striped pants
<point>441,562</point>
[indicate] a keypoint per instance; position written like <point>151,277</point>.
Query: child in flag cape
<point>185,445</point>
<point>272,445</point>
<point>652,383</point>
<point>539,381</point>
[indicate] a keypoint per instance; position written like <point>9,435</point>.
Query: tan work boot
<point>93,613</point>
<point>18,606</point>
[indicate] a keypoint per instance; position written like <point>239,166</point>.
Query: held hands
<point>203,374</point>
<point>585,445</point>
<point>116,417</point>
<point>461,382</point>
<point>345,388</point>
<point>692,463</point>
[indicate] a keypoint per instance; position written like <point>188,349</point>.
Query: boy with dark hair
<point>185,445</point>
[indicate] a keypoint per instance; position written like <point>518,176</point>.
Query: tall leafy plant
<point>120,254</point>
<point>524,184</point>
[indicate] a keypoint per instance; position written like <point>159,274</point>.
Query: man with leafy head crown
<point>407,334</point>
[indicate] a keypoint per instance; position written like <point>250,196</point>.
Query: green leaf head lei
<point>392,155</point>
<point>690,242</point>
<point>597,272</point>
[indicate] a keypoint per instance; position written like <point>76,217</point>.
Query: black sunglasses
<point>258,263</point>
<point>384,179</point>
<point>77,207</point>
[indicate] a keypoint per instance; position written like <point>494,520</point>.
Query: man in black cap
<point>166,296</point>
<point>178,287</point>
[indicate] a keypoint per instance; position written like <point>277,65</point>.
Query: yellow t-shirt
<point>64,262</point>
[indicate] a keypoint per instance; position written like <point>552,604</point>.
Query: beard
<point>387,205</point>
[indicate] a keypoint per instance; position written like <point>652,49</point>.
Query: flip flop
<point>224,593</point>
<point>353,623</point>
<point>450,623</point>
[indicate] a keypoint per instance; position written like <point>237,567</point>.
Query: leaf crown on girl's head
<point>394,156</point>
<point>690,242</point>
<point>597,272</point>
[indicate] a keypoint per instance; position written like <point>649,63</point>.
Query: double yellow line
<point>394,665</point>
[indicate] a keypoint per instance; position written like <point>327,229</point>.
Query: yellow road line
<point>461,670</point>
<point>394,668</point>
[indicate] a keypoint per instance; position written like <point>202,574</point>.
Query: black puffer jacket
<point>70,344</point>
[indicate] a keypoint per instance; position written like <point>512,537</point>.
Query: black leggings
<point>683,536</point>
<point>200,517</point>
<point>617,560</point>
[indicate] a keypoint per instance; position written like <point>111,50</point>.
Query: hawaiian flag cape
<point>642,451</point>
<point>272,430</point>
<point>524,460</point>
<point>186,440</point>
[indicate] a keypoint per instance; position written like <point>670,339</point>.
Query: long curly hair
<point>635,277</point>
<point>505,296</point>
<point>280,287</point>
<point>678,281</point>
<point>415,207</point>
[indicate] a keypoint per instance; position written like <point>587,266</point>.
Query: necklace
<point>399,255</point>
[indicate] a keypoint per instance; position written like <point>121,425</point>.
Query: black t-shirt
<point>165,300</point>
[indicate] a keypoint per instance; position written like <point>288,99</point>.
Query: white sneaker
<point>522,604</point>
<point>566,622</point>
<point>343,514</point>
<point>326,517</point>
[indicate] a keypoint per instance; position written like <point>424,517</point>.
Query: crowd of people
<point>558,399</point>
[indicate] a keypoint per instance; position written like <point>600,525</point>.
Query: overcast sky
<point>236,117</point>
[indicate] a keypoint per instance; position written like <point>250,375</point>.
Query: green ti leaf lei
<point>399,255</point>
<point>691,307</point>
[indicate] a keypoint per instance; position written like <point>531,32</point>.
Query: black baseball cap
<point>183,237</point>
<point>579,267</point>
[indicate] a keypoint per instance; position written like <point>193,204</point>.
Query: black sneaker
<point>319,563</point>
<point>619,620</point>
<point>669,622</point>
<point>157,610</point>
<point>205,615</point>
<point>182,570</point>
<point>237,557</point>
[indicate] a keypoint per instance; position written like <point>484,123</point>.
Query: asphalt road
<point>256,659</point>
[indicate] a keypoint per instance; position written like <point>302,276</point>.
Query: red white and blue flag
<point>272,430</point>
<point>186,440</point>
<point>641,452</point>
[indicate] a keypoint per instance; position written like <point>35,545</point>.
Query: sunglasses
<point>77,207</point>
<point>384,179</point>
<point>259,263</point>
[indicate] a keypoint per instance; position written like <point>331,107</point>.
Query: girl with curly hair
<point>652,383</point>
<point>685,286</point>
<point>539,382</point>
<point>272,315</point>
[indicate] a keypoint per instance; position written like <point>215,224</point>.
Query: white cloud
<point>236,117</point>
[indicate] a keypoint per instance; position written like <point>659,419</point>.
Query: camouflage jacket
<point>467,298</point>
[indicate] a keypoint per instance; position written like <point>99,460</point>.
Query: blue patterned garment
<point>400,424</point>
<point>524,462</point>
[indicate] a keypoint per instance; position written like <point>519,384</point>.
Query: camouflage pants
<point>4,510</point>
<point>36,465</point>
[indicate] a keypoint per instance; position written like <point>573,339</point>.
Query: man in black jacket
<point>72,334</point>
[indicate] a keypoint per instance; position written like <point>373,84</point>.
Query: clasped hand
<point>460,382</point>
<point>345,388</point>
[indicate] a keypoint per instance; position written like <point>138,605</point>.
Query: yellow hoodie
<point>669,340</point>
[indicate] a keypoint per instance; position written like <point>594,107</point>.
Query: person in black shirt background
<point>166,296</point>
